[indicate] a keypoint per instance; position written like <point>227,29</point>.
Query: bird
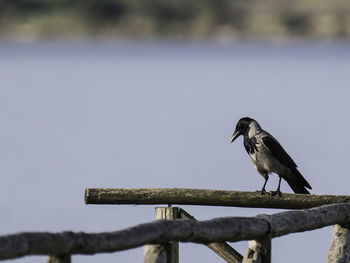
<point>268,156</point>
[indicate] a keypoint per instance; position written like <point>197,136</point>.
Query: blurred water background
<point>176,18</point>
<point>90,98</point>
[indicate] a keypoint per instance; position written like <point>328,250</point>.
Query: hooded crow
<point>268,156</point>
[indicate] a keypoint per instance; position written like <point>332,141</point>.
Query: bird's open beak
<point>235,135</point>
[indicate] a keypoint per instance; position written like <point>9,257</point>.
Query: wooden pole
<point>154,254</point>
<point>259,251</point>
<point>230,229</point>
<point>222,249</point>
<point>182,196</point>
<point>166,252</point>
<point>339,251</point>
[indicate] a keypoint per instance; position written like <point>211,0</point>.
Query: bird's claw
<point>263,192</point>
<point>278,192</point>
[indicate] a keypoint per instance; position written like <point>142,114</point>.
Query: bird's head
<point>241,128</point>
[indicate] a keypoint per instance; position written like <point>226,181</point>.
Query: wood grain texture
<point>177,230</point>
<point>303,220</point>
<point>167,252</point>
<point>154,254</point>
<point>259,251</point>
<point>157,232</point>
<point>339,251</point>
<point>182,196</point>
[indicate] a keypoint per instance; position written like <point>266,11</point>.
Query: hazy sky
<point>154,114</point>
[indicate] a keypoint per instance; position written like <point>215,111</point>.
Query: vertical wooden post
<point>167,252</point>
<point>171,248</point>
<point>154,254</point>
<point>339,251</point>
<point>259,251</point>
<point>59,259</point>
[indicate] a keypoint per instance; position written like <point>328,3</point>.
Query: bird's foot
<point>277,192</point>
<point>263,192</point>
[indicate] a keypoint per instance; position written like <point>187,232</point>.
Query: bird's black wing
<point>278,152</point>
<point>281,155</point>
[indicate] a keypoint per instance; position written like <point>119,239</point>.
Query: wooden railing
<point>184,196</point>
<point>162,236</point>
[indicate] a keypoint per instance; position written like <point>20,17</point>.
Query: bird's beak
<point>235,135</point>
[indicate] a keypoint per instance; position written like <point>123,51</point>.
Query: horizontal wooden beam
<point>288,222</point>
<point>183,230</point>
<point>156,232</point>
<point>183,196</point>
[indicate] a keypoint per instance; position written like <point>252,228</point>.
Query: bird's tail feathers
<point>296,183</point>
<point>301,178</point>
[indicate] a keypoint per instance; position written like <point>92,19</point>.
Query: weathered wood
<point>59,259</point>
<point>154,254</point>
<point>182,196</point>
<point>179,230</point>
<point>339,251</point>
<point>259,251</point>
<point>222,249</point>
<point>226,252</point>
<point>171,247</point>
<point>166,252</point>
<point>157,232</point>
<point>303,220</point>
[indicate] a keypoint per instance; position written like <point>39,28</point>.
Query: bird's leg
<point>263,191</point>
<point>278,191</point>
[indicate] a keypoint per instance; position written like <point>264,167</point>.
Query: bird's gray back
<point>261,156</point>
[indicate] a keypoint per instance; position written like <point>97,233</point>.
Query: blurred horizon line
<point>220,19</point>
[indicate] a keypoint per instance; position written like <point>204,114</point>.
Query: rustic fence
<point>161,237</point>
